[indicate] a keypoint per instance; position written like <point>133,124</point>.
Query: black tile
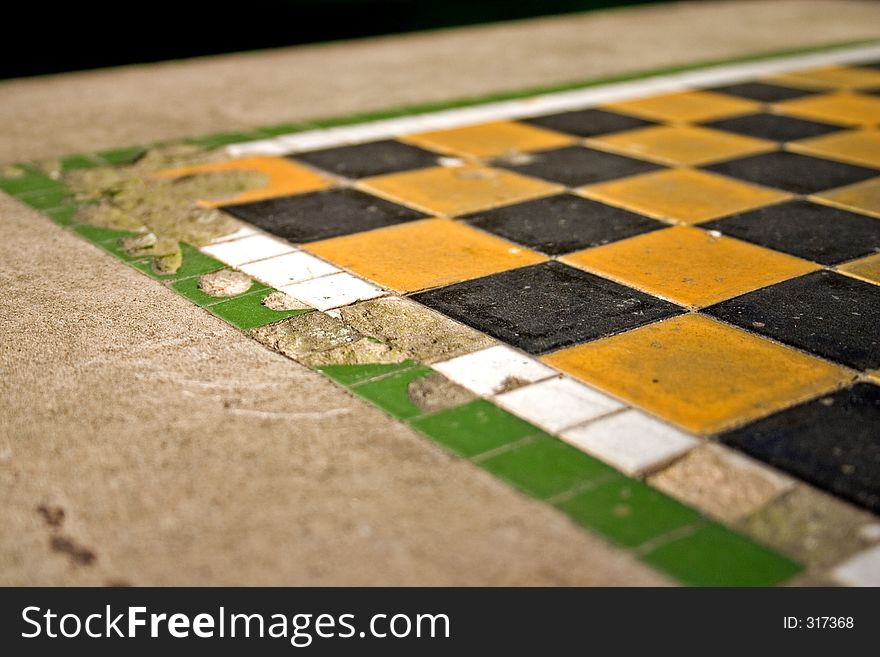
<point>832,442</point>
<point>761,91</point>
<point>808,230</point>
<point>873,92</point>
<point>588,123</point>
<point>793,173</point>
<point>824,313</point>
<point>373,159</point>
<point>563,223</point>
<point>774,127</point>
<point>547,306</point>
<point>319,215</point>
<point>575,166</point>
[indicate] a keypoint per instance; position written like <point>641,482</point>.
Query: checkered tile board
<point>675,298</point>
<point>711,256</point>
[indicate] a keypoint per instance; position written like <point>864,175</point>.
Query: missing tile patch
<point>163,210</point>
<point>413,329</point>
<point>811,526</point>
<point>721,483</point>
<point>316,339</point>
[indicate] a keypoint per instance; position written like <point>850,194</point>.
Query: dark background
<point>65,36</point>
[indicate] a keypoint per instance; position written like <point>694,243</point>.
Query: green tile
<point>547,467</point>
<point>390,393</point>
<point>348,375</point>
<point>716,556</point>
<point>628,512</point>
<point>98,234</point>
<point>46,199</point>
<point>116,156</point>
<point>63,216</point>
<point>247,311</point>
<point>284,129</point>
<point>31,181</point>
<point>75,162</point>
<point>474,428</point>
<point>189,288</point>
<point>224,139</point>
<point>194,263</point>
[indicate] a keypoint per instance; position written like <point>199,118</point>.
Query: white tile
<point>364,132</point>
<point>333,291</point>
<point>244,231</point>
<point>490,371</point>
<point>631,441</point>
<point>312,140</point>
<point>288,269</point>
<point>247,249</point>
<point>557,403</point>
<point>861,570</point>
<point>261,147</point>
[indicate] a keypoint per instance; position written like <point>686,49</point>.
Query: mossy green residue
<point>164,211</point>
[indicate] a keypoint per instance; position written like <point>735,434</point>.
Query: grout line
<point>668,537</point>
<point>585,487</point>
<point>503,449</point>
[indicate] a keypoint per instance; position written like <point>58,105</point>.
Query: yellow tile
<point>698,373</point>
<point>689,266</point>
<point>830,77</point>
<point>685,107</point>
<point>682,195</point>
<point>420,254</point>
<point>490,139</point>
<point>843,108</point>
<point>874,376</point>
<point>867,268</point>
<point>861,197</point>
<point>681,144</point>
<point>458,190</point>
<point>855,146</point>
<point>283,178</point>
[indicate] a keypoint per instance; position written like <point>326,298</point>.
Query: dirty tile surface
<point>660,315</point>
<point>546,306</point>
<point>563,223</point>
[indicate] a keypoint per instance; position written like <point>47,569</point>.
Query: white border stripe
<point>547,103</point>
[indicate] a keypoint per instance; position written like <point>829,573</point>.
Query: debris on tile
<point>435,392</point>
<point>282,301</point>
<point>227,283</point>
